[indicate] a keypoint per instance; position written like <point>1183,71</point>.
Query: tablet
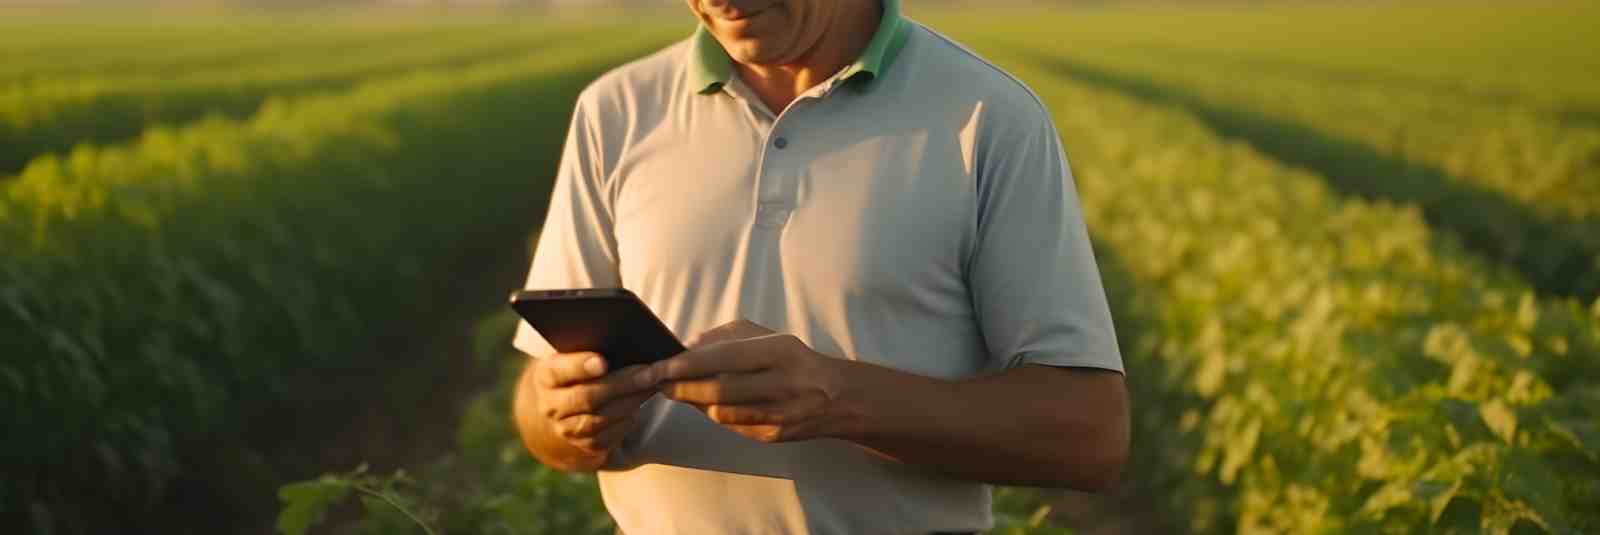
<point>610,321</point>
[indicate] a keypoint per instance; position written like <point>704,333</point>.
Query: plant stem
<point>379,495</point>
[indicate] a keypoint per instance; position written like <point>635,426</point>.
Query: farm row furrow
<point>1515,186</point>
<point>1315,362</point>
<point>92,51</point>
<point>52,118</point>
<point>152,290</point>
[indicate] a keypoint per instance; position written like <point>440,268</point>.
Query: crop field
<point>1353,251</point>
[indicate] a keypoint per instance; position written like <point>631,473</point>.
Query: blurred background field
<point>1353,249</point>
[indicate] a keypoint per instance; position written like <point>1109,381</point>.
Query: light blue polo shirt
<point>914,211</point>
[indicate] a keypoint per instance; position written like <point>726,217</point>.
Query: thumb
<point>563,369</point>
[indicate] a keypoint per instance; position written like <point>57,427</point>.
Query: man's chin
<point>753,53</point>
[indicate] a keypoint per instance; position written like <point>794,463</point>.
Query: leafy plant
<point>305,503</point>
<point>53,115</point>
<point>154,293</point>
<point>1337,365</point>
<point>1519,185</point>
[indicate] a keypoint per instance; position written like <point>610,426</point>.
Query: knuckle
<point>544,374</point>
<point>581,404</point>
<point>588,397</point>
<point>583,425</point>
<point>611,411</point>
<point>618,384</point>
<point>789,387</point>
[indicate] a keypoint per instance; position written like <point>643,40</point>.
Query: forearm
<point>1034,425</point>
<point>540,437</point>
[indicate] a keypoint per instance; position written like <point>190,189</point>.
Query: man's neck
<point>840,45</point>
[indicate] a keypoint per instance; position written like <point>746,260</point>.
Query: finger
<point>770,433</point>
<point>733,330</point>
<point>591,424</point>
<point>790,412</point>
<point>563,369</point>
<point>606,439</point>
<point>729,388</point>
<point>759,433</point>
<point>737,356</point>
<point>589,397</point>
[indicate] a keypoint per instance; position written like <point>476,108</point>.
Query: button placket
<point>776,181</point>
<point>776,199</point>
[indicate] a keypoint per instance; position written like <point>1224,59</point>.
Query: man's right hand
<point>572,414</point>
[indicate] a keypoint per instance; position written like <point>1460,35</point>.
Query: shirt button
<point>771,214</point>
<point>780,143</point>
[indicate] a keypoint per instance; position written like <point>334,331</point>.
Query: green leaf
<point>1538,487</point>
<point>305,502</point>
<point>1585,436</point>
<point>1037,519</point>
<point>1466,419</point>
<point>1527,312</point>
<point>1387,497</point>
<point>1437,494</point>
<point>1500,419</point>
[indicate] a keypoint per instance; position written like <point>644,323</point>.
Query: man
<point>872,241</point>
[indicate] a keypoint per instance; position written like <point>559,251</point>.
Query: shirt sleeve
<point>576,247</point>
<point>1034,281</point>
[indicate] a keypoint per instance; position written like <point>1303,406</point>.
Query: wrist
<point>872,402</point>
<point>846,410</point>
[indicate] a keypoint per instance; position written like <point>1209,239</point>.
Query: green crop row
<point>1512,148</point>
<point>51,117</point>
<point>1312,363</point>
<point>42,49</point>
<point>1516,185</point>
<point>155,293</point>
<point>1536,54</point>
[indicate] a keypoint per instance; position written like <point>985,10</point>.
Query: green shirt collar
<point>710,66</point>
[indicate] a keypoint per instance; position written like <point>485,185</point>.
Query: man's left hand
<point>761,384</point>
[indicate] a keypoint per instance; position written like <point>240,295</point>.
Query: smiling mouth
<point>738,15</point>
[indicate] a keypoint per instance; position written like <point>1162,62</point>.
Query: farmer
<point>871,242</point>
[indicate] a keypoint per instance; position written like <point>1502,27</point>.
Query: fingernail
<point>594,366</point>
